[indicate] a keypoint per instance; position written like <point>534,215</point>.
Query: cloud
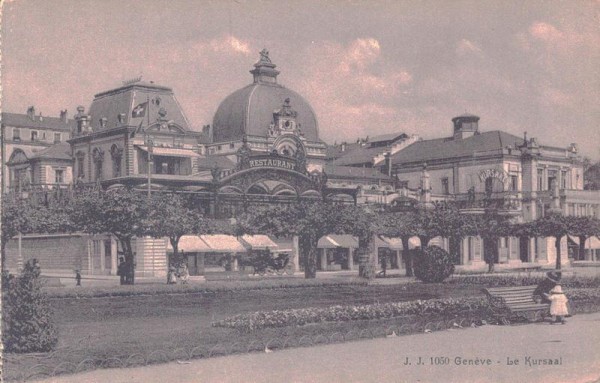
<point>230,44</point>
<point>467,47</point>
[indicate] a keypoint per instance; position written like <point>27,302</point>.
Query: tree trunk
<point>581,255</point>
<point>424,241</point>
<point>308,244</point>
<point>175,245</point>
<point>558,256</point>
<point>407,256</point>
<point>3,256</point>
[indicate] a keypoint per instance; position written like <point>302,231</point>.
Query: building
<point>263,147</point>
<point>515,176</point>
<point>25,137</point>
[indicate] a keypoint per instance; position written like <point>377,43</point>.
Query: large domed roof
<point>249,111</point>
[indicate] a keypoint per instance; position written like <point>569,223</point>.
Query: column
<point>113,256</point>
<point>89,256</point>
<point>513,251</point>
<point>398,260</point>
<point>102,253</point>
<point>234,266</point>
<point>296,253</point>
<point>465,251</point>
<point>323,259</point>
<point>532,256</point>
<point>350,258</point>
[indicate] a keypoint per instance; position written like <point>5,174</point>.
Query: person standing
<point>558,305</point>
<point>78,277</point>
<point>121,272</point>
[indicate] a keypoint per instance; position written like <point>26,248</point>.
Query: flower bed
<point>299,317</point>
<point>209,288</point>
<point>525,280</point>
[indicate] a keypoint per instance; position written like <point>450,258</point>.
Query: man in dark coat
<point>121,271</point>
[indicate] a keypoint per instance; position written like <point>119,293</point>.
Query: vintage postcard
<point>300,191</point>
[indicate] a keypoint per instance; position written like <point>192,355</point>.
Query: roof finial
<point>264,56</point>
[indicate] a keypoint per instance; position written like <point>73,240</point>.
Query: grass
<point>120,326</point>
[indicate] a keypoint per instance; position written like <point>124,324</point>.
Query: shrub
<point>433,264</point>
<point>27,317</point>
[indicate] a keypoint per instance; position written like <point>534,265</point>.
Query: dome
<point>249,111</point>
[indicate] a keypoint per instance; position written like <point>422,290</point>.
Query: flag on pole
<point>140,110</point>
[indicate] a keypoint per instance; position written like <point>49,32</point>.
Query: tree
<point>553,225</point>
<point>309,220</point>
<point>120,212</point>
<point>583,228</point>
<point>169,215</point>
<point>490,227</point>
<point>24,217</point>
<point>403,225</point>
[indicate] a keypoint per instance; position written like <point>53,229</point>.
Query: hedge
<point>208,288</point>
<point>512,280</point>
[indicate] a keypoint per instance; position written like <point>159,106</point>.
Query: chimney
<point>63,116</point>
<point>31,113</point>
<point>206,130</point>
<point>82,120</point>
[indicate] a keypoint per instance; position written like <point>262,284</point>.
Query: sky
<point>366,67</point>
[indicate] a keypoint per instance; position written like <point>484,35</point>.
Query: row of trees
<point>127,214</point>
<point>124,213</point>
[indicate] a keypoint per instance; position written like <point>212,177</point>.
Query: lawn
<point>160,326</point>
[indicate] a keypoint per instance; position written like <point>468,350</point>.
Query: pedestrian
<point>545,286</point>
<point>558,304</point>
<point>121,272</point>
<point>78,277</point>
<point>184,274</point>
<point>171,278</point>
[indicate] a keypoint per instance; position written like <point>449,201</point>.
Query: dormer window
<point>16,134</point>
<point>34,135</point>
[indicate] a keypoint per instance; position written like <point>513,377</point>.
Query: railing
<point>508,200</point>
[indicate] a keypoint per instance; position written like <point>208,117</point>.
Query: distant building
<point>25,137</point>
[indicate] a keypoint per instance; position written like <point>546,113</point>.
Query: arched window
<point>98,156</point>
<point>116,153</point>
<point>80,160</point>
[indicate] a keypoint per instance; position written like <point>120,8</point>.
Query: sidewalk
<point>478,355</point>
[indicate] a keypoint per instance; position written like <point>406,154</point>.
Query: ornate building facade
<point>263,146</point>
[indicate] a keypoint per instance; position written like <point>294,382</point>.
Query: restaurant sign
<point>272,162</point>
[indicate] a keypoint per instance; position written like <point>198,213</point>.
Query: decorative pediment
<point>18,157</point>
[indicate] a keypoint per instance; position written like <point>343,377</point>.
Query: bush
<point>27,317</point>
<point>495,280</point>
<point>433,264</point>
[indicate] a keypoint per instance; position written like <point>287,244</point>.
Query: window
<point>16,134</point>
<point>59,176</point>
<point>231,146</point>
<point>445,186</point>
<point>551,179</point>
<point>98,155</point>
<point>34,135</point>
<point>116,154</point>
<point>540,179</point>
<point>563,179</point>
<point>514,183</point>
<point>218,147</point>
<point>80,158</point>
<point>56,138</point>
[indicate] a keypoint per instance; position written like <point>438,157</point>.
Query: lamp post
<point>150,145</point>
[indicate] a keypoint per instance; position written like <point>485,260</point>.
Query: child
<point>558,304</point>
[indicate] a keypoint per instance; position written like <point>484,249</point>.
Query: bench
<point>515,302</point>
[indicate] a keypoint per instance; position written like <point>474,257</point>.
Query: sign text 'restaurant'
<point>273,163</point>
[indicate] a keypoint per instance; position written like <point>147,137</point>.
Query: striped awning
<point>333,241</point>
<point>221,243</point>
<point>590,243</point>
<point>170,152</point>
<point>258,242</point>
<point>190,244</point>
<point>396,243</point>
